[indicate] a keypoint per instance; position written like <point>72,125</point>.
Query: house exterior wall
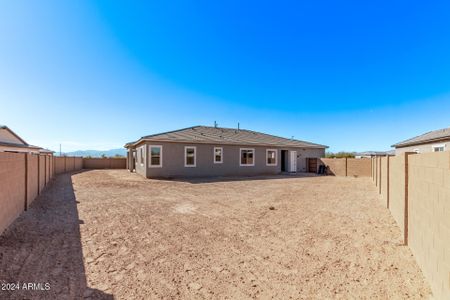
<point>140,165</point>
<point>303,154</point>
<point>424,148</point>
<point>173,164</point>
<point>18,149</point>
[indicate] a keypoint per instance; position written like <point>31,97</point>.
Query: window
<point>155,156</point>
<point>190,156</point>
<point>439,148</point>
<point>218,155</point>
<point>271,157</point>
<point>247,157</point>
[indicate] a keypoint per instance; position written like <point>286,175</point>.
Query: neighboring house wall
<point>173,160</point>
<point>425,148</point>
<point>18,149</point>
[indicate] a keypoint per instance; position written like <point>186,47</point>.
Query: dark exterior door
<point>283,160</point>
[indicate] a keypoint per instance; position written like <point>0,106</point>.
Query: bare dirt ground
<point>108,234</point>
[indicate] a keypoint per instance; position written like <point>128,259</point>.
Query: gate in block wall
<point>312,165</point>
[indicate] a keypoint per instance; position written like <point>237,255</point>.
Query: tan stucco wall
<point>425,148</point>
<point>41,172</point>
<point>429,218</point>
<point>12,182</point>
<point>104,163</point>
<point>38,170</point>
<point>335,166</point>
<point>419,188</point>
<point>397,189</point>
<point>32,178</point>
<point>384,179</point>
<point>59,165</point>
<point>358,167</point>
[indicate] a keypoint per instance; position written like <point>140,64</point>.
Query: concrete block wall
<point>65,164</point>
<point>384,179</point>
<point>32,178</point>
<point>335,166</point>
<point>23,177</point>
<point>41,172</point>
<point>347,166</point>
<point>60,165</point>
<point>429,218</point>
<point>397,178</point>
<point>104,163</point>
<point>12,182</point>
<point>416,189</point>
<point>360,167</point>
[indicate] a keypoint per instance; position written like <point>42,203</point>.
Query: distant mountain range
<point>97,153</point>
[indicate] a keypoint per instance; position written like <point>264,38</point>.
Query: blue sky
<point>354,75</point>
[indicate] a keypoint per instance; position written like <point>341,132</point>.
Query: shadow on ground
<point>43,248</point>
<point>199,180</point>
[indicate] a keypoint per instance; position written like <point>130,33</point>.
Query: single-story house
<point>203,151</point>
<point>11,142</point>
<point>433,141</point>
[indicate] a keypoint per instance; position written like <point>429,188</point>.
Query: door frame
<point>293,161</point>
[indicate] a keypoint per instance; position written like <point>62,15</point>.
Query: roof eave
<point>402,145</point>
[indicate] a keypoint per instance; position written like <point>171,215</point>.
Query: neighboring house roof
<point>219,135</point>
<point>432,136</point>
<point>10,139</point>
<point>20,140</point>
<point>42,150</point>
<point>375,153</point>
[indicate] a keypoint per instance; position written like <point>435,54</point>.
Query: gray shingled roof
<point>431,136</point>
<point>218,135</point>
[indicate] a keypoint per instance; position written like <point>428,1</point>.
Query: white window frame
<point>267,157</point>
<point>150,156</point>
<point>240,156</point>
<point>221,155</point>
<point>185,156</point>
<point>438,146</point>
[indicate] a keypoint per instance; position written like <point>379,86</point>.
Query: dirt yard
<point>109,234</point>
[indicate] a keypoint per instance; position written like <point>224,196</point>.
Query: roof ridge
<point>202,133</point>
